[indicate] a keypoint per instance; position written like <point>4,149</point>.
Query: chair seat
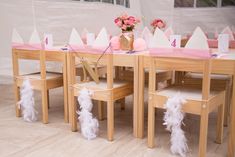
<point>157,71</point>
<point>49,75</point>
<point>102,84</point>
<point>213,76</point>
<point>186,92</point>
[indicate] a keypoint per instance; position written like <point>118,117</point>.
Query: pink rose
<point>160,25</point>
<point>124,27</point>
<point>119,24</point>
<point>116,20</point>
<point>124,16</point>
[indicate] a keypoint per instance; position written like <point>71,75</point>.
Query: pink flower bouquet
<point>158,23</point>
<point>126,23</point>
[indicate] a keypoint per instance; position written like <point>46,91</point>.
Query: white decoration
<point>173,118</point>
<point>168,32</point>
<point>223,43</point>
<point>228,31</point>
<point>75,38</point>
<point>90,39</point>
<point>27,103</point>
<point>35,39</point>
<point>89,125</point>
<point>48,41</point>
<point>84,32</point>
<point>159,40</point>
<point>198,40</point>
<point>175,41</point>
<point>146,35</point>
<point>102,40</point>
<point>16,38</point>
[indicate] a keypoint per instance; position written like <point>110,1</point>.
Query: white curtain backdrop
<point>60,16</point>
<point>54,16</point>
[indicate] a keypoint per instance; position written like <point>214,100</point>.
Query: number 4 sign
<point>175,41</point>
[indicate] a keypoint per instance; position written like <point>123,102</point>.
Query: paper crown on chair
<point>102,39</point>
<point>198,40</point>
<point>35,39</point>
<point>228,31</point>
<point>16,38</point>
<point>75,38</point>
<point>146,35</point>
<point>159,40</point>
<point>168,32</point>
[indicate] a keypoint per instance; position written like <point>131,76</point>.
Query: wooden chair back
<point>18,54</point>
<point>181,64</point>
<point>86,59</point>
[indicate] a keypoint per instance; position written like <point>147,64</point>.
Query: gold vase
<point>127,40</point>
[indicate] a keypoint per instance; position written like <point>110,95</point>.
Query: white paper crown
<point>35,39</point>
<point>168,32</point>
<point>228,31</point>
<point>102,40</point>
<point>84,33</point>
<point>198,40</point>
<point>159,40</point>
<point>16,38</point>
<point>75,38</point>
<point>146,35</point>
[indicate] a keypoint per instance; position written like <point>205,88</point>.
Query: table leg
<point>141,99</point>
<point>231,138</point>
<point>65,83</point>
<point>136,94</point>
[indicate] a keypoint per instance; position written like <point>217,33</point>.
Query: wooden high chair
<point>107,90</point>
<point>200,101</point>
<point>42,81</point>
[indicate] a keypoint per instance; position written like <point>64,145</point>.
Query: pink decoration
<point>139,44</point>
<point>126,22</point>
<point>27,46</point>
<point>115,43</point>
<point>180,52</point>
<point>158,23</point>
<point>213,43</point>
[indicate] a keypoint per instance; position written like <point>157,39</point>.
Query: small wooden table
<point>219,66</point>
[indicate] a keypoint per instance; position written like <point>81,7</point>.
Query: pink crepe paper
<point>27,46</point>
<point>180,52</point>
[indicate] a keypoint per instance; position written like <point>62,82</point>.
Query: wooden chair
<point>200,101</point>
<point>218,82</point>
<point>107,90</point>
<point>42,81</point>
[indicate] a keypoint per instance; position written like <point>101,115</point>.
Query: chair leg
<point>110,119</point>
<point>100,110</point>
<point>203,133</point>
<point>227,103</point>
<point>44,106</point>
<point>48,99</point>
<point>73,114</point>
<point>122,101</point>
<point>151,124</point>
<point>220,125</point>
<point>17,98</point>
